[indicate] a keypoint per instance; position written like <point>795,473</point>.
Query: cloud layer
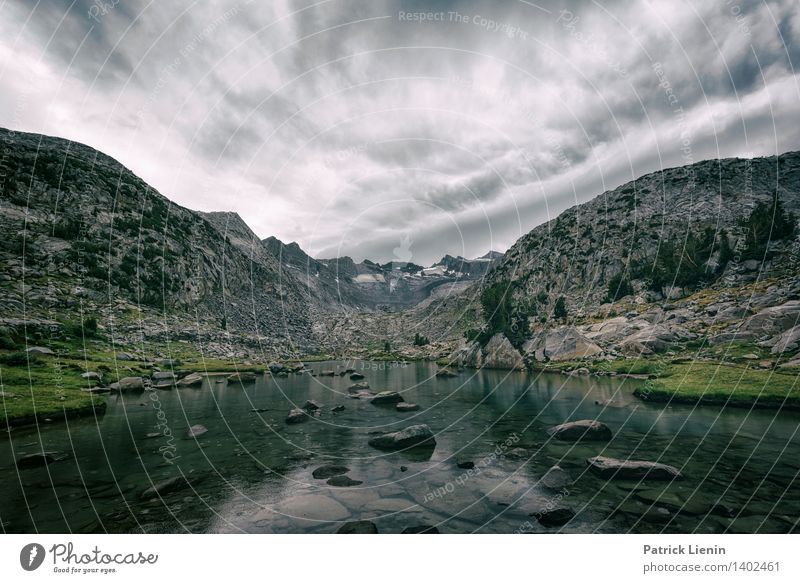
<point>347,126</point>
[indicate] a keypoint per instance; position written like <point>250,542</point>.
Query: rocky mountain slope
<point>703,255</point>
<point>86,238</point>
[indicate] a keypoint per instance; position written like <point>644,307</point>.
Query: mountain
<point>470,268</point>
<point>84,235</point>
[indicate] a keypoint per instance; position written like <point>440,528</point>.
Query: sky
<point>397,129</point>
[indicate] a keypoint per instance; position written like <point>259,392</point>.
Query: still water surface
<point>251,472</point>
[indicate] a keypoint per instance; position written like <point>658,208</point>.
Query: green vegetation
<point>714,383</point>
<point>560,308</point>
<point>619,286</point>
<point>420,340</point>
<point>687,264</point>
<point>768,222</point>
<point>502,314</point>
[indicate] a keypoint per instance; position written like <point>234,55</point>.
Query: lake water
<point>251,472</point>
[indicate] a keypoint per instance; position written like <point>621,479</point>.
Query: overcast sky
<point>351,127</point>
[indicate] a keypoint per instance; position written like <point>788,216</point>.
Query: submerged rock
<point>554,517</point>
<point>556,479</point>
<point>338,409</point>
<point>296,416</point>
<point>445,373</point>
<point>328,471</point>
<point>465,464</point>
<point>343,481</point>
<point>38,459</point>
<point>387,398</point>
<point>610,468</point>
<point>406,406</point>
<point>167,486</point>
<point>413,436</point>
<point>358,527</point>
<point>585,429</point>
<point>197,430</point>
<point>358,387</point>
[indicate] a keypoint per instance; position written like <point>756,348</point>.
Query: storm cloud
<point>347,126</point>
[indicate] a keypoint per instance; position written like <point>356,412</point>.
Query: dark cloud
<point>347,126</point>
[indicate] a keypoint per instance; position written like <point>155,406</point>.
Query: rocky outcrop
<point>413,436</point>
<point>564,343</point>
<point>585,429</point>
<point>126,384</point>
<point>498,353</point>
<point>789,341</point>
<point>610,468</point>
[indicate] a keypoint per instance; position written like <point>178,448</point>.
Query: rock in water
<point>585,429</point>
<point>358,387</point>
<point>358,527</point>
<point>610,468</point>
<point>465,464</point>
<point>296,416</point>
<point>343,481</point>
<point>406,407</point>
<point>445,373</point>
<point>338,409</point>
<point>38,459</point>
<point>387,398</point>
<point>311,405</point>
<point>327,373</point>
<point>413,436</point>
<point>356,376</point>
<point>167,486</point>
<point>554,517</point>
<point>128,384</point>
<point>556,479</point>
<point>191,380</point>
<point>197,430</point>
<point>328,471</point>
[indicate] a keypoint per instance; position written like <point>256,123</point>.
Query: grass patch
<point>713,383</point>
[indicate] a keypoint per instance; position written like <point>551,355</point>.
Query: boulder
<point>191,380</point>
<point>39,351</point>
<point>358,527</point>
<point>328,471</point>
<point>500,353</point>
<point>93,390</point>
<point>242,377</point>
<point>358,387</point>
<point>38,459</point>
<point>197,430</point>
<point>402,407</point>
<point>788,341</point>
<point>338,409</point>
<point>556,479</point>
<point>387,398</point>
<point>465,464</point>
<point>564,343</point>
<point>654,338</point>
<point>470,355</point>
<point>296,416</point>
<point>92,376</point>
<point>166,375</point>
<point>312,405</point>
<point>125,356</point>
<point>773,320</point>
<point>327,373</point>
<point>126,384</point>
<point>356,376</point>
<point>610,468</point>
<point>554,517</point>
<point>445,373</point>
<point>585,429</point>
<point>275,367</point>
<point>413,436</point>
<point>343,481</point>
